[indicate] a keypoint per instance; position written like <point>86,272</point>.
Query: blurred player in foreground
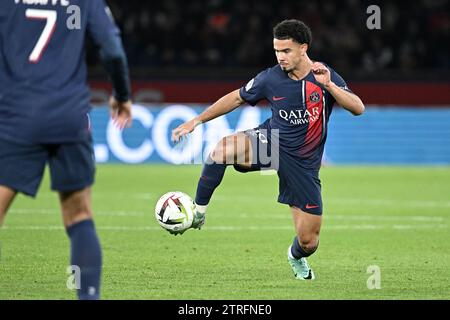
<point>301,93</point>
<point>44,106</point>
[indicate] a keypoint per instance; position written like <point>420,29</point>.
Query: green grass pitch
<point>394,218</point>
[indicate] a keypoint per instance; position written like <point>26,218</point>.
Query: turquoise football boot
<point>301,268</point>
<point>199,220</point>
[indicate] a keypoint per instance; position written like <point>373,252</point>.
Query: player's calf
<point>234,149</point>
<point>85,246</point>
<point>86,254</point>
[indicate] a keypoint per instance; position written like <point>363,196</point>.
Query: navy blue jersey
<point>300,111</point>
<point>44,96</point>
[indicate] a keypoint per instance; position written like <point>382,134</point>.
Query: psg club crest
<point>314,97</point>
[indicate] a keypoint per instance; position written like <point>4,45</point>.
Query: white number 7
<point>44,39</point>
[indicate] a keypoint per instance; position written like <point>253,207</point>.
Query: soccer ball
<point>174,211</point>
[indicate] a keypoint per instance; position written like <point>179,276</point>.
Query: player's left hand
<point>120,113</point>
<point>321,73</point>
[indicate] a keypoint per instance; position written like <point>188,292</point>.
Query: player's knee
<point>232,149</point>
<point>75,217</point>
<point>72,215</point>
<point>224,152</point>
<point>218,154</point>
<point>309,245</point>
<point>76,206</point>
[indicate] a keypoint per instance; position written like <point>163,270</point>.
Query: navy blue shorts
<point>72,165</point>
<point>298,186</point>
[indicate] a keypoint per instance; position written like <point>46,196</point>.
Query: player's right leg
<point>6,198</point>
<point>72,170</point>
<point>75,206</point>
<point>231,150</point>
<point>86,253</point>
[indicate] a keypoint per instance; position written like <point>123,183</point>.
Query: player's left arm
<point>106,35</point>
<point>344,98</point>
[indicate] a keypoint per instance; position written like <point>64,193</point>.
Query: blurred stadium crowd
<point>236,34</point>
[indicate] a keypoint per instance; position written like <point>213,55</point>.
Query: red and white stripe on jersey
<point>316,113</point>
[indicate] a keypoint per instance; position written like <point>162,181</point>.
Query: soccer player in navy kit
<point>301,94</point>
<point>44,106</point>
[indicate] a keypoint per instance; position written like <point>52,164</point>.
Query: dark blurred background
<point>184,55</point>
<point>232,39</point>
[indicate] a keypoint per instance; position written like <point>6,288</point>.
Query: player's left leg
<point>7,196</point>
<point>21,169</point>
<point>231,150</point>
<point>306,242</point>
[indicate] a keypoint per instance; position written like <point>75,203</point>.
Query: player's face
<point>289,53</point>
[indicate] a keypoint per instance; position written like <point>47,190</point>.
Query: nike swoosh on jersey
<point>278,98</point>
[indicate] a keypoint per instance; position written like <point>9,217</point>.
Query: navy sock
<point>87,255</point>
<point>211,177</point>
<point>297,251</point>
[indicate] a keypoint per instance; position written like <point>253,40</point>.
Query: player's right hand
<point>184,129</point>
<point>120,113</point>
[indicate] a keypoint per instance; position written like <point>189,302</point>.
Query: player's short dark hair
<point>293,29</point>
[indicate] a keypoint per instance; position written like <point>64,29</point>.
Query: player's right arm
<point>222,106</point>
<point>251,93</point>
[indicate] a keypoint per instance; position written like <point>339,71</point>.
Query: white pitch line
<point>237,215</point>
<point>56,211</point>
<point>271,216</point>
<point>331,217</point>
<point>272,198</point>
<point>384,218</point>
<point>236,228</point>
<point>330,202</point>
<point>396,203</point>
<point>348,201</point>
